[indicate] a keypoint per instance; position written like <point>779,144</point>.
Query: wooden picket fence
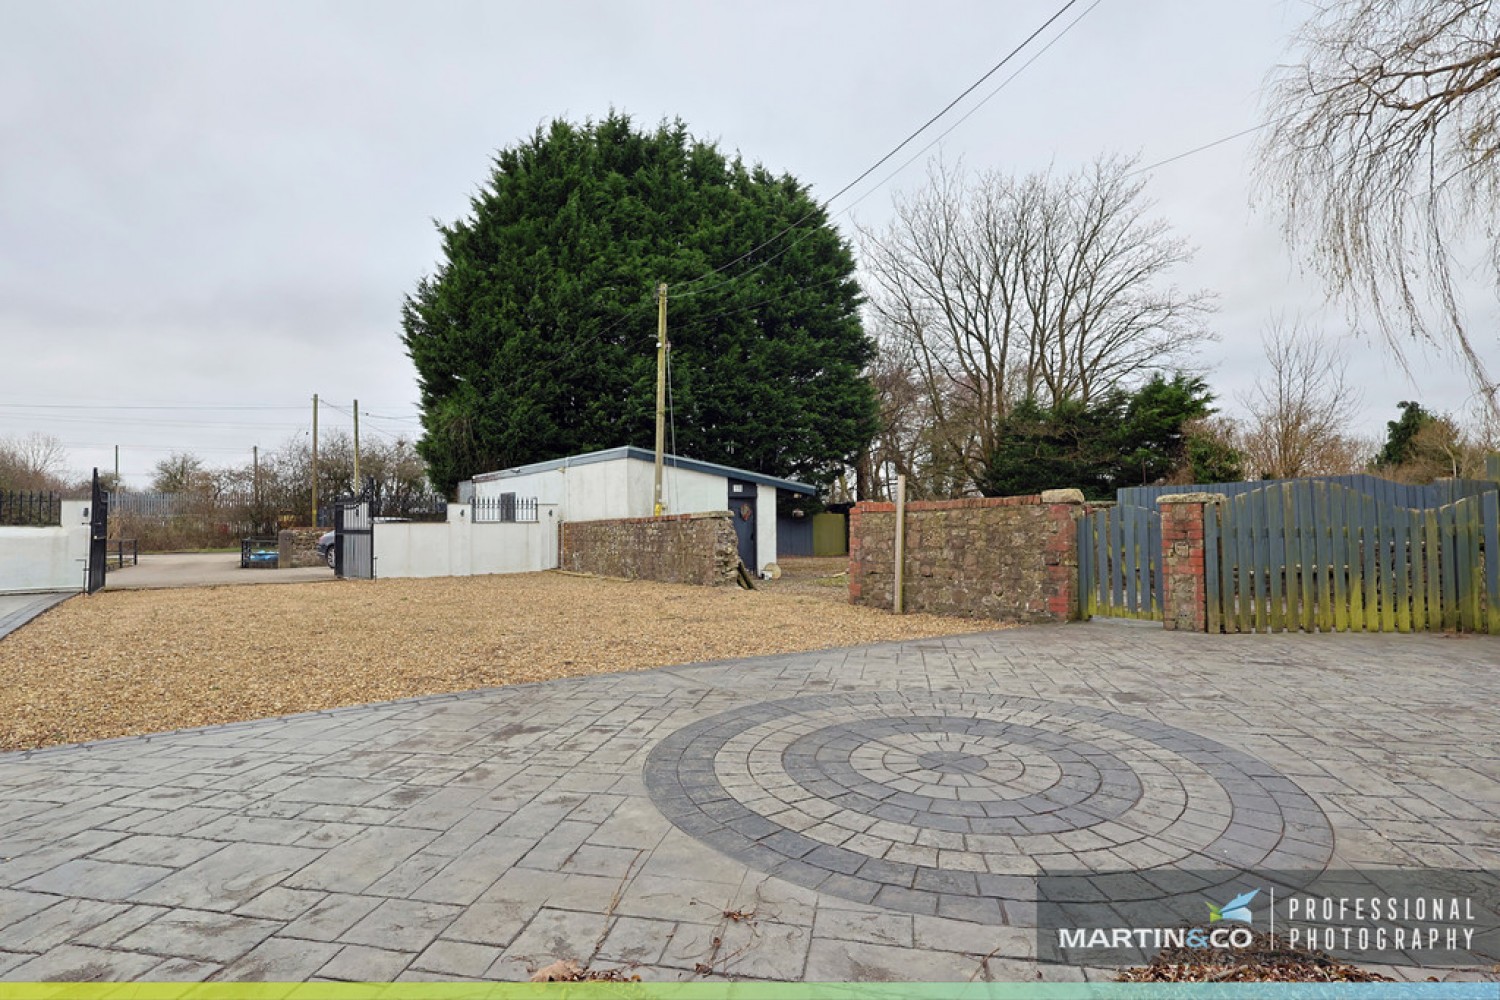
<point>1119,562</point>
<point>1320,556</point>
<point>1387,491</point>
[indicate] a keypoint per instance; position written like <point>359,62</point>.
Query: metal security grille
<point>354,538</point>
<point>507,507</point>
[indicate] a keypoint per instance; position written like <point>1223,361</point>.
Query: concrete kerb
<point>29,607</point>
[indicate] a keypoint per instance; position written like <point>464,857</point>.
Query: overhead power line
<point>912,159</point>
<point>892,152</point>
<point>148,406</point>
<point>1206,146</point>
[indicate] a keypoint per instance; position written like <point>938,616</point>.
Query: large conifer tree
<point>536,336</point>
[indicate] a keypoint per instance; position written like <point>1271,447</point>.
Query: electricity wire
<point>895,149</point>
<point>908,162</point>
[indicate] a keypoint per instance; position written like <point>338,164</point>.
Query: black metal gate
<point>354,538</point>
<point>98,538</point>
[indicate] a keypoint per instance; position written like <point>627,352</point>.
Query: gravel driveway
<point>129,662</point>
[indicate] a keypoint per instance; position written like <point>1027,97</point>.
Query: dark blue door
<point>742,506</point>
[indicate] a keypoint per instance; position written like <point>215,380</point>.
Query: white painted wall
<point>547,487</point>
<point>590,492</point>
<point>765,528</point>
<point>459,548</point>
<point>600,490</point>
<point>40,559</point>
<point>625,487</point>
<point>684,491</point>
<point>622,487</point>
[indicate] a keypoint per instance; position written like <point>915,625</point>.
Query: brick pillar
<point>1184,592</point>
<point>1060,553</point>
<point>855,588</point>
<point>857,545</point>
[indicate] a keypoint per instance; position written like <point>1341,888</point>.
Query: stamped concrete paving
<point>861,813</point>
<point>18,609</point>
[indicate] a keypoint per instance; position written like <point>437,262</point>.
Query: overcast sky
<point>221,205</point>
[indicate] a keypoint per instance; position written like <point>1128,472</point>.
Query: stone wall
<point>678,548</point>
<point>1006,558</point>
<point>298,547</point>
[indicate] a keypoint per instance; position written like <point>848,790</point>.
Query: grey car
<point>326,547</point>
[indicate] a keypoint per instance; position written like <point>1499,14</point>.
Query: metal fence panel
<point>30,508</point>
<point>505,508</point>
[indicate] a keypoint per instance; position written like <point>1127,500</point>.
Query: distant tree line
<point>33,463</point>
<point>191,504</point>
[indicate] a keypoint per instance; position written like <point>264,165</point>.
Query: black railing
<point>259,553</point>
<point>30,509</point>
<point>121,549</point>
<point>503,509</point>
<point>412,507</point>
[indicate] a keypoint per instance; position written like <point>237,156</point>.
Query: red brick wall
<point>1007,558</point>
<point>1184,592</point>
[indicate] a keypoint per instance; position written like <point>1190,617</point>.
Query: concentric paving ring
<point>931,802</point>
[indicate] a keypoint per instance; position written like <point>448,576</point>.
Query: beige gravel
<point>127,662</point>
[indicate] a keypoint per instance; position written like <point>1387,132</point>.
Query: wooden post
<point>897,598</point>
<point>315,462</point>
<point>359,486</point>
<point>661,390</point>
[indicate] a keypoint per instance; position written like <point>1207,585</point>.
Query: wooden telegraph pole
<point>315,462</point>
<point>661,388</point>
<point>359,485</point>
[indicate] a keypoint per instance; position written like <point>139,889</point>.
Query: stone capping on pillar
<point>1184,590</point>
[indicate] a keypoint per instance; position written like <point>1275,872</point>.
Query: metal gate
<point>1320,556</point>
<point>354,538</point>
<point>1119,562</point>
<point>98,538</point>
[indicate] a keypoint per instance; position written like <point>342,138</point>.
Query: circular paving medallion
<point>951,803</point>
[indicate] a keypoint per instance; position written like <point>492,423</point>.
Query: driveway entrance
<point>204,569</point>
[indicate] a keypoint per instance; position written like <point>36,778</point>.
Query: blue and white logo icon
<point>1237,908</point>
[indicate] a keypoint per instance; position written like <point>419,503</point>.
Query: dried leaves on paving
<point>128,662</point>
<point>1268,960</point>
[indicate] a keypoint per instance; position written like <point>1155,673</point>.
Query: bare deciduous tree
<point>1384,155</point>
<point>1301,410</point>
<point>992,290</point>
<point>33,462</point>
<point>907,442</point>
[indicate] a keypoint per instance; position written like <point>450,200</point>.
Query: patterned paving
<point>834,792</point>
<point>865,813</point>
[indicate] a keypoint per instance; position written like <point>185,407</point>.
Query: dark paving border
<point>22,608</point>
<point>1271,823</point>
